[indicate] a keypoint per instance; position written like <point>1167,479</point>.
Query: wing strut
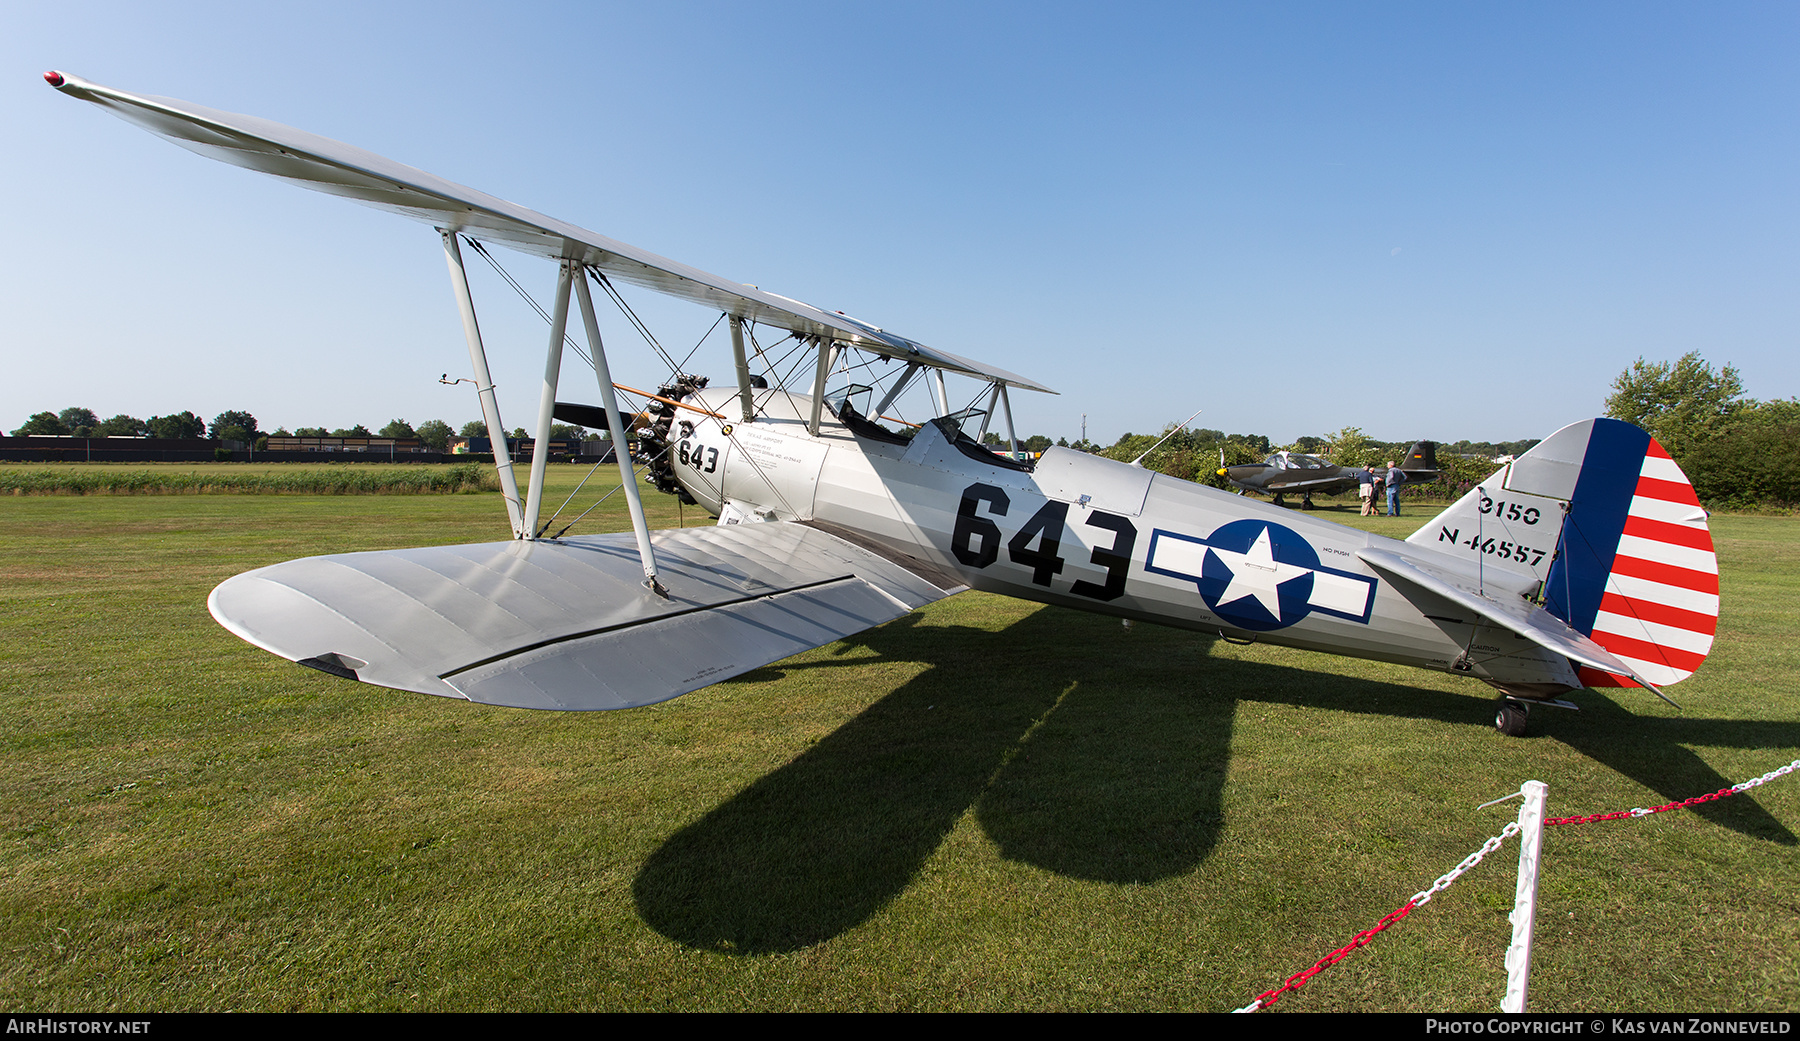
<point>912,368</point>
<point>621,437</point>
<point>743,368</point>
<point>540,451</point>
<point>827,355</point>
<point>1012,432</point>
<point>484,383</point>
<point>987,416</point>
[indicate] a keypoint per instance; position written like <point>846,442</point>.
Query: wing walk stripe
<point>1667,574</point>
<point>1660,614</point>
<point>1633,651</point>
<point>1654,671</point>
<point>1670,636</point>
<point>1591,677</point>
<point>1656,592</point>
<point>1663,469</point>
<point>1675,534</point>
<point>516,651</point>
<point>1698,560</point>
<point>1668,491</point>
<point>1670,512</point>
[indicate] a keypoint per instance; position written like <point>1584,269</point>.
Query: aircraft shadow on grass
<point>1082,751</point>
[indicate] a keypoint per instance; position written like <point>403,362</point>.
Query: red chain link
<point>1622,814</point>
<point>1298,979</point>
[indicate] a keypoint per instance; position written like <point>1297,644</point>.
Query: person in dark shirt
<point>1365,489</point>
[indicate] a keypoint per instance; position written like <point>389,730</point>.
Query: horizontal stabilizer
<point>568,624</point>
<point>1508,611</point>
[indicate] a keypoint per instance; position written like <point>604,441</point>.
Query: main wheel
<point>1510,717</point>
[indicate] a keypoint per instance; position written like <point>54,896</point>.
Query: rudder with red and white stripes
<point>1635,570</point>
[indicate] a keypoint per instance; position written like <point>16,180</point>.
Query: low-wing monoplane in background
<point>1285,473</point>
<point>1585,562</point>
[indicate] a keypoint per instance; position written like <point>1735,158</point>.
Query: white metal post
<point>540,448</point>
<point>1012,433</point>
<point>484,383</point>
<point>621,437</point>
<point>988,415</point>
<point>827,352</point>
<point>743,368</point>
<point>912,367</point>
<point>1524,912</point>
<point>943,395</point>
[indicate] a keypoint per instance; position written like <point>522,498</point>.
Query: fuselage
<point>1085,532</point>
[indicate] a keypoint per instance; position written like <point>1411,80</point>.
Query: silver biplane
<point>1585,562</point>
<point>1288,472</point>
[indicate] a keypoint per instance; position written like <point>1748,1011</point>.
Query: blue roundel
<point>1258,575</point>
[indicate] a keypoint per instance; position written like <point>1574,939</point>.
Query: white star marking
<point>1257,573</point>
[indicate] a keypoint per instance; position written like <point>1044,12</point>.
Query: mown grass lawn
<point>985,805</point>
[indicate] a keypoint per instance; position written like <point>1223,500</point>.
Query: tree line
<point>1737,451</point>
<point>241,426</point>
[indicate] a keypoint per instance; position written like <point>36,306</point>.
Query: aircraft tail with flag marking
<point>1600,522</point>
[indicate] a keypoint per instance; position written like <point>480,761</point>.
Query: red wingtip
<point>54,78</point>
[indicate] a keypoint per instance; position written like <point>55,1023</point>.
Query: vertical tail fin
<point>1422,457</point>
<point>1611,527</point>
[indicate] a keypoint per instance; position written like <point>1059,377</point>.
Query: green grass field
<point>986,805</point>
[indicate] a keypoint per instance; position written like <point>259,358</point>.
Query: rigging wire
<point>526,296</point>
<point>709,331</point>
<point>632,316</point>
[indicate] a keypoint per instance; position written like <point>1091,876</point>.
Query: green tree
<point>1754,461</point>
<point>356,431</point>
<point>435,434</point>
<point>473,428</point>
<point>122,425</point>
<point>235,426</point>
<point>80,421</point>
<point>311,432</point>
<point>397,428</point>
<point>1351,447</point>
<point>181,425</point>
<point>1682,405</point>
<point>42,424</point>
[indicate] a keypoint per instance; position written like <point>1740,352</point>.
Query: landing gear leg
<point>1306,501</point>
<point>1510,716</point>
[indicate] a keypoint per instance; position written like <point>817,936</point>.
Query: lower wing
<point>569,624</point>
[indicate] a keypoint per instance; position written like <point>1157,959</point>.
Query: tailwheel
<point>1510,716</point>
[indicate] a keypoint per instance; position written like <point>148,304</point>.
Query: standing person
<point>1395,478</point>
<point>1365,489</point>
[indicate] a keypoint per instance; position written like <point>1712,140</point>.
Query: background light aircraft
<point>1585,562</point>
<point>1286,472</point>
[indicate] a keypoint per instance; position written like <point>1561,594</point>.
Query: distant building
<point>388,446</point>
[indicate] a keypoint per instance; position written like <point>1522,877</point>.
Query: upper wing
<point>569,624</point>
<point>339,169</point>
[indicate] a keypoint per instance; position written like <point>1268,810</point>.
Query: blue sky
<point>1425,220</point>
